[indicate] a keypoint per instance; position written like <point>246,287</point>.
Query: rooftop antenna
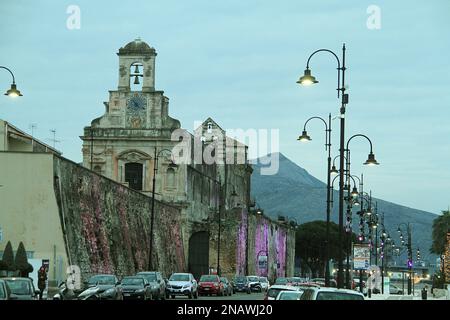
<point>54,138</point>
<point>33,127</point>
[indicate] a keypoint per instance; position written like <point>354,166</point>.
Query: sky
<point>238,62</point>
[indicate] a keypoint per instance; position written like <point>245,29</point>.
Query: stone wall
<point>263,236</point>
<point>107,225</point>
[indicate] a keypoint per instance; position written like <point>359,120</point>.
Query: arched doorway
<point>199,254</point>
<point>133,175</point>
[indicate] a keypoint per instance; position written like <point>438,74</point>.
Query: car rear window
<point>19,287</point>
<point>281,281</point>
<point>290,295</point>
<point>338,296</point>
<point>273,292</point>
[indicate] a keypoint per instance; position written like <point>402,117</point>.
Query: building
<point>136,132</point>
<point>97,216</point>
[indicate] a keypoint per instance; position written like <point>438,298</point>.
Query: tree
<point>8,257</point>
<point>21,261</point>
<point>310,242</point>
<point>441,226</point>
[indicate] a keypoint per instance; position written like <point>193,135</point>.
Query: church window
<point>170,176</point>
<point>133,175</point>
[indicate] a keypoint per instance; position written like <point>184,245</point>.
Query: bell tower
<point>121,143</point>
<point>136,64</point>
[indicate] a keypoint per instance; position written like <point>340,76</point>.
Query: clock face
<point>136,104</point>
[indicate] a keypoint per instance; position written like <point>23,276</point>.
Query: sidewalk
<point>417,296</point>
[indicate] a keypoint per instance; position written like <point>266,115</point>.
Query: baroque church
<point>133,144</point>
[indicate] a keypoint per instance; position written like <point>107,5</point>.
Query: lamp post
<point>12,92</point>
<point>152,218</point>
<point>305,137</point>
<point>407,227</point>
<point>308,79</point>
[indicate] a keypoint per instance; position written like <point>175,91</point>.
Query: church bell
<point>136,80</point>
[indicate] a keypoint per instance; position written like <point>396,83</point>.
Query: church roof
<point>137,47</point>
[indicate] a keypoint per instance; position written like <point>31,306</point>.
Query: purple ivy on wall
<point>241,244</point>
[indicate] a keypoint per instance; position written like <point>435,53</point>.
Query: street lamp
<point>12,92</point>
<point>306,137</point>
<point>152,218</point>
<point>407,228</point>
<point>308,79</point>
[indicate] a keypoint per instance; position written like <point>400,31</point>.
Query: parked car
<point>394,289</point>
<point>289,295</point>
<point>157,283</point>
<point>274,290</point>
<point>5,292</point>
<point>294,281</point>
<point>227,286</point>
<point>209,285</point>
<point>264,283</point>
<point>22,289</point>
<point>330,294</point>
<point>254,283</point>
<point>136,287</point>
<point>282,281</point>
<point>241,284</point>
<point>182,284</point>
<point>102,287</point>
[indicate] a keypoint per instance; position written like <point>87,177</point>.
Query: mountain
<point>294,193</point>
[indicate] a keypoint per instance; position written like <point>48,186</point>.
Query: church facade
<point>205,173</point>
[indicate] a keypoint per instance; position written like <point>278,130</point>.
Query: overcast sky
<point>238,61</point>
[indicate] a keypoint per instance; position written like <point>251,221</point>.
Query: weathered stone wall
<point>107,225</point>
<point>263,236</point>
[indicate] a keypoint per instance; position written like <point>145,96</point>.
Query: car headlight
<point>154,287</point>
<point>186,286</point>
<point>140,291</point>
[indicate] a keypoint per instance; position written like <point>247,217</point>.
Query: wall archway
<point>198,262</point>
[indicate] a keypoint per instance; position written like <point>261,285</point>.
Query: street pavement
<point>237,296</point>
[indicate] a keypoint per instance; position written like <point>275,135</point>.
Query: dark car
<point>102,287</point>
<point>227,286</point>
<point>22,289</point>
<point>241,284</point>
<point>209,285</point>
<point>136,287</point>
<point>5,292</point>
<point>157,283</point>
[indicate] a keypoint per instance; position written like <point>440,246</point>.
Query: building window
<point>133,175</point>
<point>170,178</point>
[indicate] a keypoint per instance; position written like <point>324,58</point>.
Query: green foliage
<point>310,242</point>
<point>441,226</point>
<point>8,258</point>
<point>21,261</point>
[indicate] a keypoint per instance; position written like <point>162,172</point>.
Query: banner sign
<point>361,256</point>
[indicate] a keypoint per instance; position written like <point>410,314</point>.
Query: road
<point>237,296</point>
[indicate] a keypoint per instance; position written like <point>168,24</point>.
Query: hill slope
<point>293,192</point>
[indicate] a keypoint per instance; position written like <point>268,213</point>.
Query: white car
<point>264,283</point>
<point>274,290</point>
<point>331,294</point>
<point>182,284</point>
<point>289,295</point>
